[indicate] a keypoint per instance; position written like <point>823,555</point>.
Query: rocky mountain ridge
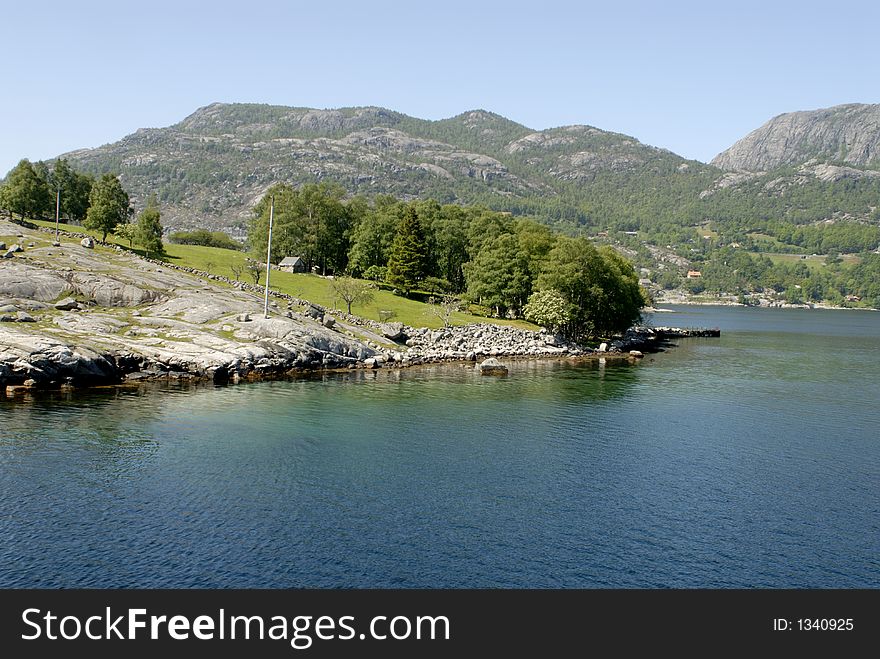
<point>847,134</point>
<point>210,168</point>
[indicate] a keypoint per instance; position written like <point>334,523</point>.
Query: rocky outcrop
<point>129,317</point>
<point>133,319</point>
<point>847,133</point>
<point>19,279</point>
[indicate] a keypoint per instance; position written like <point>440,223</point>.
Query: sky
<point>692,77</point>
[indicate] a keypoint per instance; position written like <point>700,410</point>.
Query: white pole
<point>269,259</point>
<point>57,211</point>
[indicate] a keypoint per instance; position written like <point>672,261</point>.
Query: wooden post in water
<point>269,259</point>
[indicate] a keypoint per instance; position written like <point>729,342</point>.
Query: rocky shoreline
<point>73,317</point>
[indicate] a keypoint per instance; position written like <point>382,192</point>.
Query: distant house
<point>292,264</point>
<point>694,274</point>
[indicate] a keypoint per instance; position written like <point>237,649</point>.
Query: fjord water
<point>752,460</point>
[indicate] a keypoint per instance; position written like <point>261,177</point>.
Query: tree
<point>548,308</point>
<point>444,307</point>
<point>447,227</point>
<point>127,232</point>
<point>255,270</point>
<point>373,234</point>
<point>205,238</point>
<point>499,275</point>
<point>375,273</point>
<point>108,205</point>
<point>406,262</point>
<point>312,223</point>
<point>149,228</point>
<point>600,286</point>
<point>74,187</point>
<point>352,291</point>
<point>25,192</point>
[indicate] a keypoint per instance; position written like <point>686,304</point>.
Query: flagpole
<point>57,211</point>
<point>269,259</point>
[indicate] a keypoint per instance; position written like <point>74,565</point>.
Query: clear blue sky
<point>692,77</point>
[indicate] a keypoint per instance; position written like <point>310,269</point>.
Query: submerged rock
<point>492,366</point>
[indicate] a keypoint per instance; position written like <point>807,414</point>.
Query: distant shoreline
<point>817,306</point>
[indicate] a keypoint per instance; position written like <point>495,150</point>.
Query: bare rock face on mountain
<point>847,133</point>
<point>212,167</point>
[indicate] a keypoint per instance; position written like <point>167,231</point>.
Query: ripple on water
<point>746,461</point>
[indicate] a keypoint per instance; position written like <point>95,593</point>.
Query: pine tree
<point>149,228</point>
<point>406,262</point>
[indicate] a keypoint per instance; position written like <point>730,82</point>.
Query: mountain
<point>843,134</point>
<point>804,183</point>
<point>210,169</point>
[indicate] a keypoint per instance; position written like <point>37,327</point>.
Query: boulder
<point>16,248</point>
<point>67,304</point>
<point>328,322</point>
<point>2,245</point>
<point>24,317</point>
<point>637,354</point>
<point>243,318</point>
<point>394,332</point>
<point>87,242</point>
<point>492,366</point>
<point>603,347</point>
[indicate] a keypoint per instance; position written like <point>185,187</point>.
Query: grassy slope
<point>812,262</point>
<point>308,287</point>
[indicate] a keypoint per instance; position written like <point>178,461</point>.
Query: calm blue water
<point>749,460</point>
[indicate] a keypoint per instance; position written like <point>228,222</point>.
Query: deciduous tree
<point>352,291</point>
<point>600,285</point>
<point>149,228</point>
<point>25,192</point>
<point>108,205</point>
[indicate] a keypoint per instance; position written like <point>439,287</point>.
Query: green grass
<point>704,230</point>
<point>812,262</point>
<point>764,238</point>
<point>411,312</point>
<point>309,287</point>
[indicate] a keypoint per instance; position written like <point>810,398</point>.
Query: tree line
<point>32,190</point>
<point>510,266</point>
